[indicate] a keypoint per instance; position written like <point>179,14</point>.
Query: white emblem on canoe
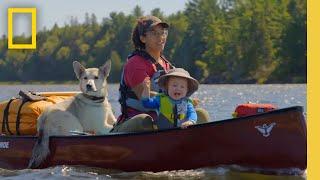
<point>4,145</point>
<point>265,129</point>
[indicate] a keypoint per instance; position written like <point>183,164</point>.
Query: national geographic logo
<point>33,44</point>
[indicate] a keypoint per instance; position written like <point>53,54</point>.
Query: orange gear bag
<point>248,109</point>
<point>18,116</point>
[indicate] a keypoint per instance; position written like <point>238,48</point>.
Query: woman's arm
<point>135,73</point>
<point>146,89</point>
<point>138,90</point>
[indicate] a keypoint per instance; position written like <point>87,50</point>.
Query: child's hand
<point>195,102</point>
<point>146,88</point>
<point>186,124</point>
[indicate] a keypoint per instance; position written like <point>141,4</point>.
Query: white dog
<point>88,111</point>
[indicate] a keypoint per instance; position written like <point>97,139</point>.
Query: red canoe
<point>270,140</point>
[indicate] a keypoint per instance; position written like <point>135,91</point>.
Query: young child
<point>174,108</point>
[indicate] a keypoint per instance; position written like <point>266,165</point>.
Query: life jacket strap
<point>175,115</point>
<point>5,119</point>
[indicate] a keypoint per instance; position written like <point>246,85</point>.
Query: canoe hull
<point>229,142</point>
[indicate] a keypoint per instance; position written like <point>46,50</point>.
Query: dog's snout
<point>89,86</point>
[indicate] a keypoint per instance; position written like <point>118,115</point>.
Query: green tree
<point>115,67</point>
<point>137,11</point>
<point>158,13</point>
<point>48,48</point>
<point>63,53</point>
<point>293,63</point>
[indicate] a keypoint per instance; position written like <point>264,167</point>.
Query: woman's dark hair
<point>138,44</point>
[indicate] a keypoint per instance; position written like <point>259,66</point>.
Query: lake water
<point>219,100</point>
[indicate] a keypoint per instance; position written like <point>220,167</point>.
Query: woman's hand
<point>153,93</point>
<point>186,124</point>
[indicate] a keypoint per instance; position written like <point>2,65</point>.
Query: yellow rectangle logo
<point>33,12</point>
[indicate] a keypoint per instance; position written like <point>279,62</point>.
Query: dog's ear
<point>78,69</point>
<point>105,69</point>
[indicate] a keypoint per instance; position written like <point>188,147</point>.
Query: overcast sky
<point>60,11</point>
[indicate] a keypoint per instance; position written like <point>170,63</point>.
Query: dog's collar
<point>94,98</point>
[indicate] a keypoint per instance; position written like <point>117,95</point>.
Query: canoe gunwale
<point>298,108</point>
